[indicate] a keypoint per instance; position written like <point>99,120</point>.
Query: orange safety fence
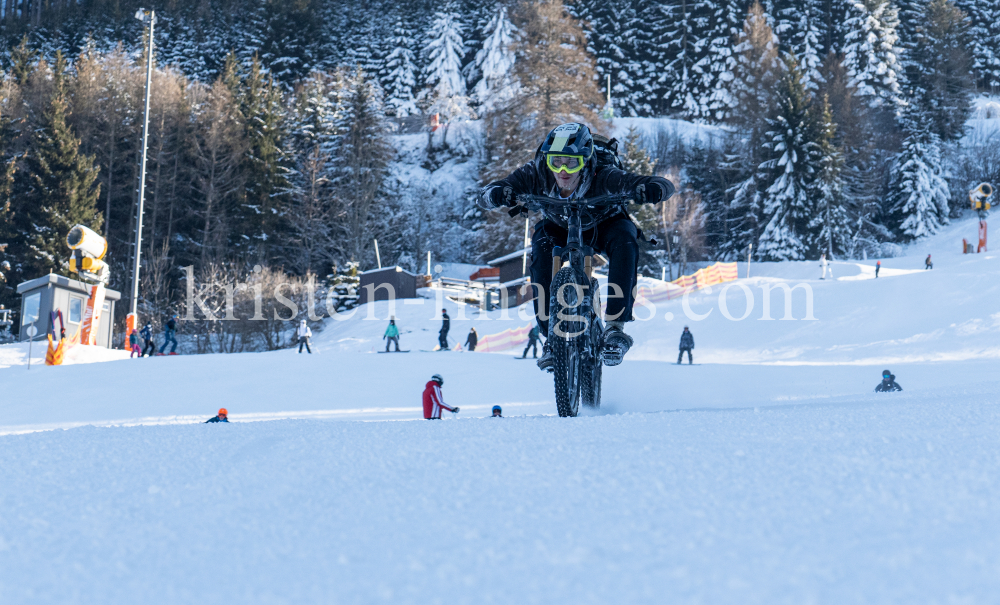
<point>504,341</point>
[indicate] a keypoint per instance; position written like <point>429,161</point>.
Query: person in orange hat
<point>222,417</point>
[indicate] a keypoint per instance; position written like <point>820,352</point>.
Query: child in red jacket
<point>434,401</point>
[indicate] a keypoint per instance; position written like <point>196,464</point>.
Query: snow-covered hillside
<point>769,474</point>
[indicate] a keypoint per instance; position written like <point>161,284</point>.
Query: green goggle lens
<point>564,163</point>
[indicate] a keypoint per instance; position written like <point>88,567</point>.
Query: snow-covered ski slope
<point>769,474</point>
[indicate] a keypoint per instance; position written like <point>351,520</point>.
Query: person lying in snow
<point>888,383</point>
<point>222,417</point>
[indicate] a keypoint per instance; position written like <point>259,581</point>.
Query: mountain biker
<point>566,167</point>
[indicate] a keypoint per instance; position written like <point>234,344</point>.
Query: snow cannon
<point>980,196</point>
<point>88,250</point>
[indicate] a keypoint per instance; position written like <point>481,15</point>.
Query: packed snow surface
<point>770,473</point>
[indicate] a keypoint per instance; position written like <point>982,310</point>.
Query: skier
<point>928,264</point>
<point>532,343</point>
<point>566,166</point>
<point>169,329</point>
<point>433,400</point>
<point>443,334</point>
<point>304,334</point>
<point>149,347</point>
<point>133,344</point>
<point>472,339</point>
<point>826,266</point>
<point>878,265</point>
<point>888,383</point>
<point>497,412</point>
<point>391,335</point>
<point>223,416</point>
<point>687,344</point>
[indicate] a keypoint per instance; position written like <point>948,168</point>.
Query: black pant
<point>616,237</point>
<point>533,345</point>
<point>149,348</point>
<point>443,339</point>
<point>391,339</point>
<point>681,355</point>
<point>304,341</point>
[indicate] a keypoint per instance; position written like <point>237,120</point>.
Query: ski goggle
<point>570,164</point>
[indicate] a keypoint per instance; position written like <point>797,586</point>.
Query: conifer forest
<point>285,136</point>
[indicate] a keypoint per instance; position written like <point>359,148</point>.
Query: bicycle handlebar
<point>540,202</point>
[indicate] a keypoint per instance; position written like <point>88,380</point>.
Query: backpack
<point>606,151</point>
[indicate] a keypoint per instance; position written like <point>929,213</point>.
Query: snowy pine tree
<point>804,34</point>
<point>830,227</point>
<point>721,58</point>
<point>444,50</point>
<point>399,73</point>
<point>984,37</point>
<point>686,45</point>
<point>792,142</point>
<point>870,52</point>
<point>918,192</point>
<point>939,69</point>
<point>494,62</point>
<point>610,27</point>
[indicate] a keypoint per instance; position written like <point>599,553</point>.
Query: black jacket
<point>535,178</point>
<point>472,340</point>
<point>888,386</point>
<point>687,340</point>
<point>445,323</point>
<point>216,419</point>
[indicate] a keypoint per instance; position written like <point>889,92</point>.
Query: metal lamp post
<point>142,15</point>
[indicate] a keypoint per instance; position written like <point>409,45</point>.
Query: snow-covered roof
<point>515,282</point>
<point>512,255</point>
<point>397,268</point>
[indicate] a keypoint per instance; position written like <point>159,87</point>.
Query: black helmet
<point>886,373</point>
<point>572,138</point>
<point>437,378</point>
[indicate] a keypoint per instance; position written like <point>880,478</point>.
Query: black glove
<point>495,197</point>
<point>654,192</point>
<point>454,410</point>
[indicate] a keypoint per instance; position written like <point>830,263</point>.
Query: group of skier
<point>148,346</point>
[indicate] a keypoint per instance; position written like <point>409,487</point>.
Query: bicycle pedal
<point>612,356</point>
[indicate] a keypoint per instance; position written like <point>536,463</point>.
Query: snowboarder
<point>888,383</point>
<point>169,329</point>
<point>304,334</point>
<point>472,339</point>
<point>223,416</point>
<point>433,400</point>
<point>687,344</point>
<point>497,412</point>
<point>443,334</point>
<point>566,166</point>
<point>149,347</point>
<point>391,335</point>
<point>133,344</point>
<point>825,264</point>
<point>878,265</point>
<point>532,343</point>
<point>928,264</point>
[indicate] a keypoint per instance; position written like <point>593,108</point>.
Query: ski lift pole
<point>378,257</point>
